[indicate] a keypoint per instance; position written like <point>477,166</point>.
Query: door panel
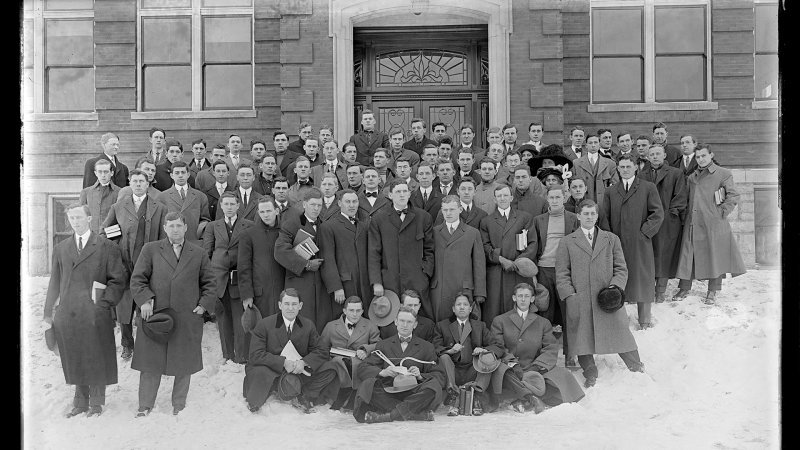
<point>453,113</point>
<point>399,113</point>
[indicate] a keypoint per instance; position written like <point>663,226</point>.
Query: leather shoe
<point>570,363</point>
<point>646,325</point>
<point>711,298</point>
<point>301,402</point>
<point>77,411</point>
<point>143,412</point>
<point>374,417</point>
<point>253,409</point>
<point>176,409</point>
<point>127,352</point>
<point>660,297</point>
<point>453,411</point>
<point>424,416</point>
<point>536,404</point>
<point>637,368</point>
<point>680,295</point>
<point>452,395</point>
<point>590,381</point>
<point>95,411</point>
<point>518,405</point>
<point>477,408</point>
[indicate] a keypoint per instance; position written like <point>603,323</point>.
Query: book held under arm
<point>719,196</point>
<point>112,231</point>
<point>304,245</point>
<point>97,291</point>
<point>522,240</point>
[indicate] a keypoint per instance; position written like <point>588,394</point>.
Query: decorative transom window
<point>58,56</point>
<point>424,67</point>
<point>195,55</point>
<point>766,51</point>
<point>649,51</point>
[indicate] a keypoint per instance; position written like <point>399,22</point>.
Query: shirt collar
<point>139,199</point>
<point>181,243</point>
<point>84,236</point>
<point>586,232</point>
<point>505,212</point>
<point>288,323</point>
<point>232,219</point>
<point>246,191</point>
<point>462,322</point>
<point>523,313</point>
<point>464,205</point>
<point>426,190</point>
<point>222,185</point>
<point>454,224</point>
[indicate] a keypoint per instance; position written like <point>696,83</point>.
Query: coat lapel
<point>168,254</point>
<point>601,241</point>
<point>512,218</point>
<point>237,231</point>
<point>88,249</point>
<point>516,319</point>
<point>187,254</point>
<point>631,191</point>
<point>466,332</point>
<point>582,241</point>
<point>662,172</point>
<point>528,321</point>
<point>127,203</point>
<point>358,331</point>
<point>409,218</point>
<point>151,207</point>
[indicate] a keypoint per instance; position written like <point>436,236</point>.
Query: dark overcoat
<point>180,285</point>
<point>597,178</point>
<point>423,330</point>
<point>472,218</point>
<point>366,146</point>
<point>434,203</point>
<point>674,195</point>
<point>119,177</point>
<point>533,343</point>
<point>500,239</point>
<point>381,201</point>
<point>99,205</point>
<point>223,251</point>
<point>344,248</point>
<point>248,212</point>
<point>400,255</point>
<point>707,236</point>
<point>460,265</point>
<point>335,335</point>
<point>194,209</point>
<point>581,272</point>
<point>529,201</point>
<point>261,277</point>
<point>213,197</point>
<point>635,217</point>
<point>476,334</point>
<point>84,330</point>
<point>164,181</point>
<point>317,304</point>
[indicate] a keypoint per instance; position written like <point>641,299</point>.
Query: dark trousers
<point>557,309</point>
<point>86,395</point>
<point>407,403</point>
<point>714,284</point>
<point>457,376</point>
<point>148,388</point>
<point>127,329</point>
<point>661,285</point>
<point>513,389</point>
<point>257,387</point>
<point>631,359</point>
<point>235,342</point>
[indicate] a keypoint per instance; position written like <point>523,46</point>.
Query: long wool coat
<point>707,235</point>
<point>194,209</point>
<point>500,239</point>
<point>335,335</point>
<point>597,179</point>
<point>84,330</point>
<point>99,204</point>
<point>671,185</point>
<point>180,285</point>
<point>581,272</point>
<point>260,276</point>
<point>460,266</point>
<point>223,251</point>
<point>533,343</point>
<point>635,218</point>
<point>344,248</point>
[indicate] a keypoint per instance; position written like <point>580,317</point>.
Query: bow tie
<point>350,326</point>
<point>371,194</point>
<point>406,339</point>
<point>402,211</point>
<point>353,220</point>
<point>304,183</point>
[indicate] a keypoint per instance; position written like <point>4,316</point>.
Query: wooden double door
<point>452,112</point>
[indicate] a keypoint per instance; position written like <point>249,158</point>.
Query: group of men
<point>470,240</point>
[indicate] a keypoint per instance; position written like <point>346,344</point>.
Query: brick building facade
<point>539,69</point>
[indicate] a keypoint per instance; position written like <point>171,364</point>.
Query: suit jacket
<point>542,222</point>
<point>571,153</point>
<point>674,153</point>
<point>328,212</point>
<point>318,172</point>
<point>248,212</point>
<point>231,167</point>
<point>297,146</point>
<point>473,218</point>
<point>344,248</point>
<point>473,174</point>
<point>223,251</point>
<point>424,330</point>
<point>288,158</point>
<point>434,203</point>
<point>157,160</point>
<point>597,180</point>
<point>335,335</point>
<point>529,201</point>
<point>381,202</point>
<point>484,197</point>
<point>163,180</point>
<point>296,192</point>
<point>193,169</point>
<point>262,185</point>
<point>686,170</point>
<point>261,277</point>
<point>412,185</point>
<point>412,156</point>
<point>98,204</point>
<point>213,197</point>
<point>476,334</point>
<point>181,285</point>
<point>460,265</point>
<point>474,149</point>
<point>366,147</point>
<point>194,210</point>
<point>119,177</point>
<point>418,147</point>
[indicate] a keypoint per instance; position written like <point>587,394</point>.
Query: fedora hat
<point>534,381</point>
<point>50,339</point>
<point>525,267</point>
<point>485,362</point>
<point>161,325</point>
<point>383,310</point>
<point>610,299</point>
<point>541,297</point>
<point>401,383</point>
<point>250,318</point>
<point>289,386</point>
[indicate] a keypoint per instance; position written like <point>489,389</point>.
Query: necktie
<point>330,168</point>
<point>80,244</point>
<point>177,249</point>
<point>592,160</point>
<point>590,237</point>
<point>304,182</point>
<point>371,194</point>
<point>686,161</point>
<point>462,327</point>
<point>627,186</point>
<point>469,208</point>
<point>451,229</point>
<point>220,189</point>
<point>522,316</point>
<point>245,199</point>
<point>425,196</point>
<point>137,203</point>
<point>235,161</point>
<point>405,340</point>
<point>283,206</point>
<point>350,326</point>
<point>289,329</point>
<point>183,196</point>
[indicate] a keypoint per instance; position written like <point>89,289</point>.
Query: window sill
<point>221,114</point>
<point>765,104</point>
<point>632,107</point>
<point>37,117</point>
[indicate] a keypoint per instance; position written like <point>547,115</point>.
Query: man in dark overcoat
<point>370,197</point>
<point>343,243</point>
<point>524,197</point>
<point>597,173</point>
<point>141,220</point>
<point>368,139</point>
<point>424,328</point>
<point>400,251</point>
<point>84,328</point>
<point>244,191</point>
<point>171,274</point>
<point>100,196</point>
<point>426,196</point>
<point>163,177</point>
<point>301,274</point>
<point>587,261</point>
<point>266,364</point>
<point>221,243</point>
<point>218,187</point>
<point>499,232</point>
<point>470,214</point>
<point>261,277</point>
<point>119,171</point>
<point>188,201</point>
<point>634,213</point>
<point>672,191</point>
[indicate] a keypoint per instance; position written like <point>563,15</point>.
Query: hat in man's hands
<point>250,318</point>
<point>485,362</point>
<point>610,299</point>
<point>525,267</point>
<point>289,386</point>
<point>50,339</point>
<point>383,310</point>
<point>161,326</point>
<point>401,383</point>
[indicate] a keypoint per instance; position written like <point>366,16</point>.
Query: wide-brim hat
<point>161,326</point>
<point>534,381</point>
<point>485,362</point>
<point>552,152</point>
<point>525,267</point>
<point>289,386</point>
<point>383,309</point>
<point>611,299</point>
<point>250,318</point>
<point>541,297</point>
<point>542,174</point>
<point>529,147</point>
<point>401,383</point>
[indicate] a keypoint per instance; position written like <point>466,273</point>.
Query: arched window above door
<point>421,67</point>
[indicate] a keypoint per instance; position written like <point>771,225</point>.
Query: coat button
<point>520,340</point>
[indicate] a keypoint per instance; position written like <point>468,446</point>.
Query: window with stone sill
<point>766,51</point>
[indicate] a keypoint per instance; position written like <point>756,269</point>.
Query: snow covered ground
<point>711,382</point>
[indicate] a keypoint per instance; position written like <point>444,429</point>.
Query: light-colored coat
<point>194,210</point>
<point>707,236</point>
<point>318,173</point>
<point>581,272</point>
<point>98,205</point>
<point>335,335</point>
<point>460,265</point>
<point>484,196</point>
<point>597,179</point>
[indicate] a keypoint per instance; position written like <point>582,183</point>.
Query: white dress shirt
<point>687,159</point>
<point>84,237</point>
<point>452,226</point>
<point>289,324</point>
<point>505,212</point>
<point>137,201</point>
<point>371,200</point>
<point>248,191</point>
<point>425,192</point>
<point>349,330</point>
<point>577,151</point>
<point>587,232</point>
<point>182,190</point>
<point>523,314</point>
<point>221,187</point>
<point>592,158</point>
<point>328,201</point>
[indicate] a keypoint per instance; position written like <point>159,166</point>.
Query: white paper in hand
<point>290,352</point>
<point>97,290</point>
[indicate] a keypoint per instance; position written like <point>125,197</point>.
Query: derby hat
<point>401,383</point>
<point>610,299</point>
<point>383,310</point>
<point>289,386</point>
<point>485,362</point>
<point>161,326</point>
<point>525,267</point>
<point>250,318</point>
<point>552,152</point>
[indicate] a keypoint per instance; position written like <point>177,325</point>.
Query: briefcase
<point>466,399</point>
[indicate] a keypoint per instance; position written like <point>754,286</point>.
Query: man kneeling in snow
<point>268,367</point>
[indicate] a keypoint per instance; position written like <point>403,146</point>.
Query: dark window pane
<point>68,4</point>
<point>617,31</point>
<point>766,28</point>
<point>69,42</point>
<point>227,2</point>
<point>617,80</point>
<point>70,89</point>
<point>167,40</point>
<point>27,89</point>
<point>680,78</point>
<point>227,39</point>
<point>680,30</point>
<point>167,88</point>
<point>229,87</point>
<point>766,76</point>
<point>166,3</point>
